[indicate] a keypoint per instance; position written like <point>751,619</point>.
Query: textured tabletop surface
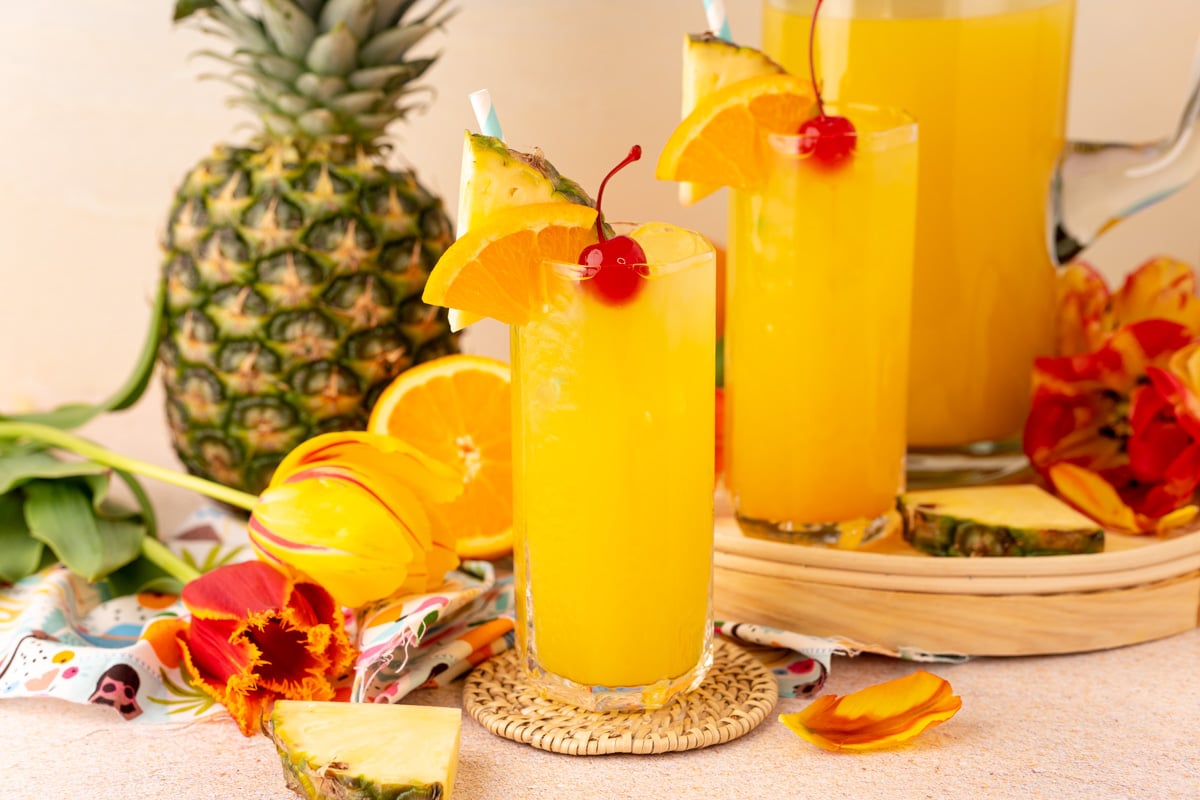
<point>1113,724</point>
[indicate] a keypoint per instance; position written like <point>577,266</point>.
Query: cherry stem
<point>635,153</point>
<point>812,70</point>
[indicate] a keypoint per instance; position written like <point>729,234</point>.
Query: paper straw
<point>718,22</point>
<point>485,113</point>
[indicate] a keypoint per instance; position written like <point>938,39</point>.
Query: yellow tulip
<point>358,513</point>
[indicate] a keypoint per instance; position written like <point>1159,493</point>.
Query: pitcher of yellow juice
<point>986,81</point>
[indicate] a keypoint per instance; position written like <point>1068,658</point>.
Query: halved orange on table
<point>724,140</point>
<point>499,270</point>
<point>456,409</point>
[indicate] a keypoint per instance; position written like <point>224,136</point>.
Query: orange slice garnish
<point>498,269</point>
<point>724,140</point>
<point>456,409</point>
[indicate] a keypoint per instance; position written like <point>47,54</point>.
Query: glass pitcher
<point>1001,199</point>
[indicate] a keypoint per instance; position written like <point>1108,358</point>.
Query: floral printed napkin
<point>62,637</point>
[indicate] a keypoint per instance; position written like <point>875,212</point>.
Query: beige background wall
<point>101,114</point>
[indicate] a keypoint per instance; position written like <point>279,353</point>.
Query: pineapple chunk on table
<point>367,751</point>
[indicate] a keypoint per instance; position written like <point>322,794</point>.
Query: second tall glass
<point>817,336</point>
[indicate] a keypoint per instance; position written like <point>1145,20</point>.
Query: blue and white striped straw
<point>485,113</point>
<point>718,22</point>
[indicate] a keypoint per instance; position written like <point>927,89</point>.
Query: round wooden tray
<point>889,597</point>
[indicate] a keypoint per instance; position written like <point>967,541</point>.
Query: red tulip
<point>260,633</point>
<point>1117,430</point>
<point>1088,313</point>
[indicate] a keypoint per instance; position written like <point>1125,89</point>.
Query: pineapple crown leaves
<point>314,69</point>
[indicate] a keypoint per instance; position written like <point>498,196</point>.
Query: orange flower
<point>258,634</point>
<point>878,716</point>
<point>1161,288</point>
<point>1088,313</point>
<point>1083,318</point>
<point>1117,430</point>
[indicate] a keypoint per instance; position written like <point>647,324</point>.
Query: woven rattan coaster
<point>736,695</point>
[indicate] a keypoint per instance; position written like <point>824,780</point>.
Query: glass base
<point>619,698</point>
<point>847,535</point>
<point>975,464</point>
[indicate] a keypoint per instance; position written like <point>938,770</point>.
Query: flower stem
<point>160,555</point>
<point>91,450</point>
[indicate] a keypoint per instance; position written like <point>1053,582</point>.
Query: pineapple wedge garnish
<point>495,177</point>
<point>709,64</point>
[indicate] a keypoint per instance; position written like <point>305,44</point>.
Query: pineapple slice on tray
<point>1005,520</point>
<point>295,262</point>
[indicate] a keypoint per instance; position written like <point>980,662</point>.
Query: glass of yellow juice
<point>816,336</point>
<point>613,407</point>
<point>987,82</point>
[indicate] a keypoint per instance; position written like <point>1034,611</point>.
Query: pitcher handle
<point>1098,185</point>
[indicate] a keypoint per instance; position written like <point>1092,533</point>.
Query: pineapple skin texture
<point>941,534</point>
<point>312,784</point>
<point>293,282</point>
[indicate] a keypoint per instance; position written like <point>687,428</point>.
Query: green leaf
<point>333,53</point>
<point>60,513</point>
<point>20,553</point>
<point>149,519</point>
<point>185,8</point>
<point>67,417</point>
<point>356,15</point>
<point>74,415</point>
<point>289,27</point>
<point>246,32</point>
<point>389,13</point>
<point>311,7</point>
<point>99,487</point>
<point>142,575</point>
<point>390,46</point>
<point>18,447</point>
<point>16,470</point>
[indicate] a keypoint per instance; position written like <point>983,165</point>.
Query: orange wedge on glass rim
<point>724,140</point>
<point>498,269</point>
<point>711,63</point>
<point>456,409</point>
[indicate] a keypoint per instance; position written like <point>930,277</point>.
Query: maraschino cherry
<point>828,139</point>
<point>615,279</point>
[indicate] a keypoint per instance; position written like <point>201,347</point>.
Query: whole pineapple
<point>294,265</point>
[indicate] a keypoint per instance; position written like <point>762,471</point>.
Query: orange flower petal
<point>161,634</point>
<point>1093,496</point>
<point>877,716</point>
<point>1185,365</point>
<point>1176,519</point>
<point>1161,288</point>
<point>237,590</point>
<point>1082,303</point>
